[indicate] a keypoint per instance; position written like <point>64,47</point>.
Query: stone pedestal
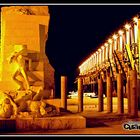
<point>51,123</point>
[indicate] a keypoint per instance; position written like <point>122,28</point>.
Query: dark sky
<point>75,31</point>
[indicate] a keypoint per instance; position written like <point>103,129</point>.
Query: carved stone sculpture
<point>19,56</point>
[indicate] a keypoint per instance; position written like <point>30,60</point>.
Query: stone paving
<point>97,124</point>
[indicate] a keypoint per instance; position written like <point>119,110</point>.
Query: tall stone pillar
<point>80,94</point>
<point>100,94</point>
<point>109,94</point>
<point>64,92</point>
<point>133,93</point>
<point>128,94</point>
<point>120,94</point>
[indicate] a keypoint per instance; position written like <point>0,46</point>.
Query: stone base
<point>48,123</point>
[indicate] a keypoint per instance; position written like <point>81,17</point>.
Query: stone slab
<point>51,123</point>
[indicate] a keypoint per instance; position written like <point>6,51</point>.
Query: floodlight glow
<point>135,19</point>
<point>110,40</point>
<point>102,47</point>
<point>120,32</point>
<point>127,26</point>
<point>106,44</point>
<point>115,36</point>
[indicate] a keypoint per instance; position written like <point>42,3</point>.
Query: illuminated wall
<point>0,49</point>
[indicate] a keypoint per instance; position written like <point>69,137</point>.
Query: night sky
<point>75,31</point>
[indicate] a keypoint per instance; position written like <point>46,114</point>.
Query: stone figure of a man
<point>19,56</point>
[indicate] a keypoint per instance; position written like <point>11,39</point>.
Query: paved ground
<point>97,123</point>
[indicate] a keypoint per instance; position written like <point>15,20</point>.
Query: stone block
<point>51,123</point>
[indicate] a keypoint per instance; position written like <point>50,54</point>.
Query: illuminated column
<point>100,56</point>
<point>94,58</point>
<point>81,67</point>
<point>80,70</point>
<point>120,40</point>
<point>103,54</point>
<point>85,67</point>
<point>97,58</point>
<point>120,94</point>
<point>88,64</point>
<point>80,94</point>
<point>110,48</point>
<point>92,61</point>
<point>127,27</point>
<point>115,42</point>
<point>83,71</point>
<point>131,35</point>
<point>133,93</point>
<point>100,94</point>
<point>135,29</point>
<point>93,65</point>
<point>106,50</point>
<point>64,92</point>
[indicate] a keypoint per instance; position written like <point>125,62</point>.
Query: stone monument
<point>25,26</point>
<point>26,76</point>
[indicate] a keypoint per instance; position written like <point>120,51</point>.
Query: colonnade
<point>117,60</point>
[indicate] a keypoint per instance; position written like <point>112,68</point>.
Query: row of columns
<point>132,95</point>
<point>131,89</point>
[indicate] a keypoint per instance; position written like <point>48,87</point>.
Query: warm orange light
<point>135,19</point>
<point>120,32</point>
<point>115,36</point>
<point>106,44</point>
<point>110,40</point>
<point>127,26</point>
<point>102,47</point>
